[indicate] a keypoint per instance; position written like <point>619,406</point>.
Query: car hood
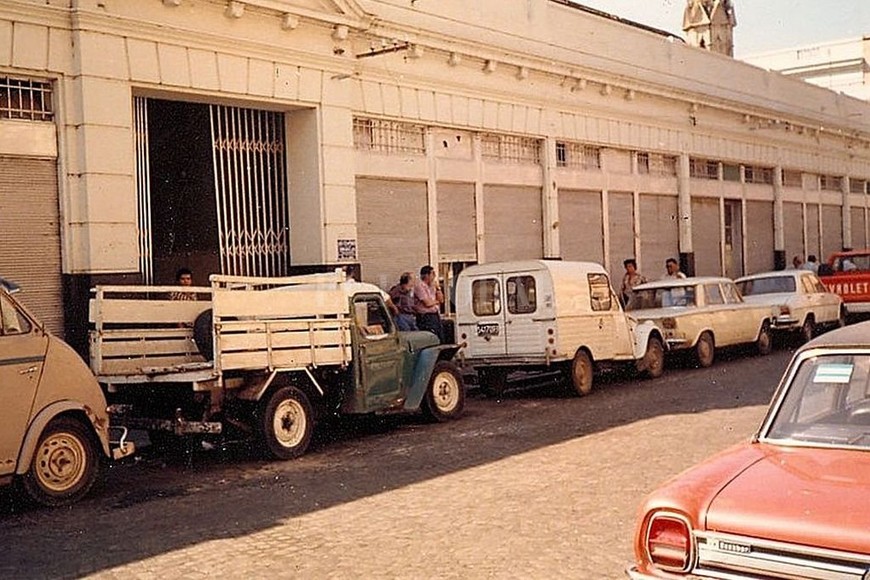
<point>816,497</point>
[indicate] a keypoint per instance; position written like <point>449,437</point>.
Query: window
<point>732,295</point>
<point>792,178</point>
<point>808,285</point>
<point>599,292</point>
<point>730,172</point>
<point>656,164</point>
<point>577,155</point>
<point>388,136</point>
<point>510,149</point>
<point>713,295</point>
<point>371,317</point>
<point>830,182</point>
<point>485,297</point>
<point>773,285</point>
<point>521,297</point>
<point>12,320</point>
<point>858,186</point>
<point>27,99</point>
<point>561,155</point>
<point>762,175</point>
<point>703,169</point>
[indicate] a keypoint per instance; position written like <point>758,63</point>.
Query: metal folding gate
<point>250,181</point>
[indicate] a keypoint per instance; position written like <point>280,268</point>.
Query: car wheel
<point>764,344</point>
<point>581,373</point>
<point>493,381</point>
<point>653,361</point>
<point>65,464</point>
<point>286,423</point>
<point>445,395</point>
<point>705,350</point>
<point>808,329</point>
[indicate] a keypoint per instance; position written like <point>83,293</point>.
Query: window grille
<point>510,149</point>
<point>389,136</point>
<point>704,169</point>
<point>27,99</point>
<point>830,182</point>
<point>656,164</point>
<point>792,178</point>
<point>762,175</point>
<point>858,186</point>
<point>578,155</point>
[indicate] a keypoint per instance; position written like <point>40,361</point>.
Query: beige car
<point>54,428</point>
<point>701,314</point>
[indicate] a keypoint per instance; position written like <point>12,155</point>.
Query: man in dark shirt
<point>402,297</point>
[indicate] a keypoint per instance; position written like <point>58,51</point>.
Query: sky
<point>762,25</point>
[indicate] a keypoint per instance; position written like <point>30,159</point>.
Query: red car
<point>794,501</point>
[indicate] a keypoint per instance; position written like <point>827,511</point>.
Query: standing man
<point>812,264</point>
<point>427,302</point>
<point>673,269</point>
<point>402,295</point>
<point>631,279</point>
<point>797,262</point>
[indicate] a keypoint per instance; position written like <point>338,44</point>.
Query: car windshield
<point>662,297</point>
<point>776,285</point>
<point>827,403</point>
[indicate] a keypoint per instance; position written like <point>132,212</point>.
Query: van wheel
<point>764,343</point>
<point>808,329</point>
<point>653,361</point>
<point>493,381</point>
<point>581,373</point>
<point>65,464</point>
<point>445,395</point>
<point>705,350</point>
<point>286,423</point>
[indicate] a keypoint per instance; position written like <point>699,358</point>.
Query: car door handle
<point>28,370</point>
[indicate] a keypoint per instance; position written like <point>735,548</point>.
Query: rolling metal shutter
<point>581,234</point>
<point>659,233</point>
<point>813,245</point>
<point>706,239</point>
<point>759,236</point>
<point>793,224</point>
<point>457,234</point>
<point>832,230</point>
<point>392,227</point>
<point>29,220</point>
<point>859,228</point>
<point>621,223</point>
<point>512,223</point>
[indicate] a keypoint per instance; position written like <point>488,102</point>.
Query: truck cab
<point>847,273</point>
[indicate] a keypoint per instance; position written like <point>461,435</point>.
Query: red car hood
<point>816,497</point>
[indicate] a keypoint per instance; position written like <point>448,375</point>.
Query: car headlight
<point>669,543</point>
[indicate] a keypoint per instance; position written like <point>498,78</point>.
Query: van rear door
<point>529,309</point>
<point>483,323</point>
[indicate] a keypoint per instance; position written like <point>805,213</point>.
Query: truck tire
<point>65,463</point>
<point>203,334</point>
<point>286,423</point>
<point>445,394</point>
<point>581,373</point>
<point>653,362</point>
<point>705,350</point>
<point>764,342</point>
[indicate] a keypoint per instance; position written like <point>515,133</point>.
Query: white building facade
<point>261,136</point>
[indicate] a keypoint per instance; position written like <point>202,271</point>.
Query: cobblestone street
<point>538,485</point>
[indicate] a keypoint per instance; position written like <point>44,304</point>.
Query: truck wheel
<point>202,334</point>
<point>808,329</point>
<point>65,464</point>
<point>286,423</point>
<point>581,373</point>
<point>705,350</point>
<point>445,395</point>
<point>653,361</point>
<point>764,344</point>
<point>493,381</point>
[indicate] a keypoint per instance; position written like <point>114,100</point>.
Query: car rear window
<point>775,285</point>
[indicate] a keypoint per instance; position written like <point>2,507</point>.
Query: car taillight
<point>669,543</point>
<point>784,310</point>
<point>669,323</point>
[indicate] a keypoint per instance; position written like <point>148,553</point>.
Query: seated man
<point>402,296</point>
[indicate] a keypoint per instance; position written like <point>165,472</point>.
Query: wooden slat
<point>236,326</point>
<point>296,358</point>
<point>279,304</point>
<point>146,311</point>
<point>150,348</point>
<point>135,366</point>
<point>253,342</point>
<point>146,333</point>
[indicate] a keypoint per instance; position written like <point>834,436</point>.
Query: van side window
<point>521,297</point>
<point>11,320</point>
<point>599,292</point>
<point>485,297</point>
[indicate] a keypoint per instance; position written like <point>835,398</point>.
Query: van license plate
<point>486,330</point>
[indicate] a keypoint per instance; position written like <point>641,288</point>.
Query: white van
<point>539,313</point>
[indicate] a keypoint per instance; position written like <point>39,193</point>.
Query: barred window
<point>730,172</point>
<point>762,175</point>
<point>388,136</point>
<point>27,99</point>
<point>858,186</point>
<point>577,155</point>
<point>830,182</point>
<point>704,169</point>
<point>510,149</point>
<point>791,178</point>
<point>656,164</point>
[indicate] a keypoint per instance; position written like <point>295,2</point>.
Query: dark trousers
<point>432,323</point>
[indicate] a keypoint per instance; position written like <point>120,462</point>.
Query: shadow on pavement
<point>159,504</point>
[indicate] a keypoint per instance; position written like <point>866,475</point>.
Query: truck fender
<point>643,332</point>
<point>44,418</point>
<point>423,372</point>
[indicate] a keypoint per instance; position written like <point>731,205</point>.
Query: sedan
<point>789,503</point>
<point>701,314</point>
<point>800,301</point>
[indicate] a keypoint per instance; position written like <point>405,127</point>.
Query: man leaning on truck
<point>427,302</point>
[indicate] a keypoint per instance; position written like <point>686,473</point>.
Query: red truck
<point>848,274</point>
